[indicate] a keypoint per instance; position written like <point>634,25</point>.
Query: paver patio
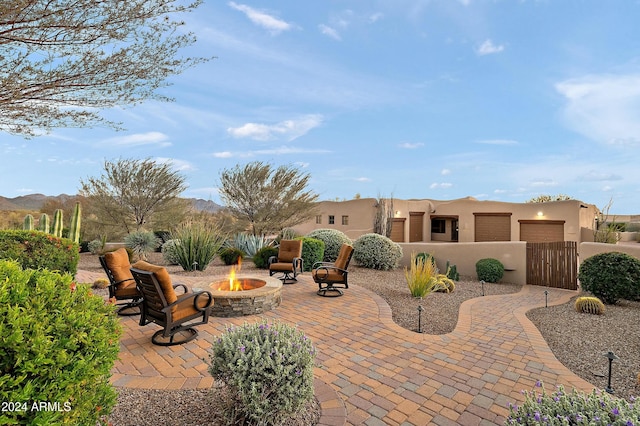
<point>372,371</point>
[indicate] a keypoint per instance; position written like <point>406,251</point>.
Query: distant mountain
<point>36,201</point>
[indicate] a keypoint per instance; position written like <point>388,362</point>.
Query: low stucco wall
<point>512,254</point>
<point>587,250</point>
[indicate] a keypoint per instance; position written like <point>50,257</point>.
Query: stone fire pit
<point>259,295</point>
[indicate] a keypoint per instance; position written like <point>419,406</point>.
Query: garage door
<point>541,231</point>
<point>492,227</point>
<point>397,230</point>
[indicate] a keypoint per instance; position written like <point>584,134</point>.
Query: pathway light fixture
<point>610,356</point>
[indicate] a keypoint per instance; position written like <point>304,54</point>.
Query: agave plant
<point>196,245</point>
<point>248,243</point>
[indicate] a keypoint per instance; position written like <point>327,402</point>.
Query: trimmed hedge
<point>312,252</point>
<point>611,276</point>
<point>59,344</point>
<point>38,250</point>
<point>333,240</point>
<point>376,251</point>
<point>261,258</point>
<point>489,270</point>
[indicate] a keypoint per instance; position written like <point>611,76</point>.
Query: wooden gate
<point>553,264</point>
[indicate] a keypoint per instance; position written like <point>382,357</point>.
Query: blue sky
<point>499,100</point>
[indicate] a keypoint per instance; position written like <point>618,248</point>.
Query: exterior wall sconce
<point>397,213</point>
<point>540,214</point>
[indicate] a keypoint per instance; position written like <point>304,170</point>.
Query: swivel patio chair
<point>332,277</point>
<point>122,286</point>
<point>176,314</point>
<point>288,262</point>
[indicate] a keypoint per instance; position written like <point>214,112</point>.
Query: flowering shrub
<point>267,370</point>
<point>562,408</point>
<point>37,250</point>
<point>333,240</point>
<point>376,251</point>
<point>59,344</point>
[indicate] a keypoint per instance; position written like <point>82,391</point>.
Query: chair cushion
<point>343,257</point>
<point>129,289</point>
<point>289,249</point>
<point>118,263</point>
<point>163,278</point>
<point>321,275</point>
<point>281,267</point>
<point>185,306</point>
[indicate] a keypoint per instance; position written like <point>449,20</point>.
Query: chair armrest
<point>184,287</point>
<point>319,264</point>
<point>117,283</point>
<point>194,297</point>
<point>272,259</point>
<point>298,261</point>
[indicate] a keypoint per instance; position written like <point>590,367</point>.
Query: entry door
<point>416,223</point>
<point>454,230</point>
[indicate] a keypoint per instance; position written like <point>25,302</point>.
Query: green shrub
<point>611,276</point>
<point>333,240</point>
<point>452,272</point>
<point>231,255</point>
<point>562,408</point>
<point>59,344</point>
<point>170,253</point>
<point>37,250</point>
<point>197,245</point>
<point>312,251</point>
<point>424,257</point>
<point>261,258</point>
<point>376,251</point>
<point>95,246</point>
<point>489,270</point>
<point>141,243</point>
<point>267,370</point>
<point>288,234</point>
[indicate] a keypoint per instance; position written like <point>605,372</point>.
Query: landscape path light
<point>546,298</point>
<point>419,318</point>
<point>482,284</point>
<point>611,356</point>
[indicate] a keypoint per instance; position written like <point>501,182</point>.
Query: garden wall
<point>512,254</point>
<point>587,250</point>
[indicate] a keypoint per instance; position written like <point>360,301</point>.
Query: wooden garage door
<point>416,220</point>
<point>397,230</point>
<point>541,231</point>
<point>492,227</point>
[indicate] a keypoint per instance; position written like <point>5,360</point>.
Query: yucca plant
<point>197,245</point>
<point>423,277</point>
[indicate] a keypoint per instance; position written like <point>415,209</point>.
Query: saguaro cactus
<point>76,219</point>
<point>27,225</point>
<point>57,223</point>
<point>44,224</point>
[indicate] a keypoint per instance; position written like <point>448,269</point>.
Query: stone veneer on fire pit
<point>247,302</point>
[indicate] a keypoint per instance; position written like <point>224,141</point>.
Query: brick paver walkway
<point>374,372</point>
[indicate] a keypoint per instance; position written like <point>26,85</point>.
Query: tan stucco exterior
<point>456,219</point>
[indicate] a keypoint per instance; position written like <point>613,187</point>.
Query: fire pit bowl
<point>257,295</point>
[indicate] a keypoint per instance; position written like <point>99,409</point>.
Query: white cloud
<point>288,129</point>
<point>409,145</point>
<point>180,165</point>
<point>262,19</point>
<point>445,172</point>
<point>498,142</point>
<point>443,185</point>
<point>362,179</point>
<point>329,31</point>
<point>593,175</point>
<point>488,48</point>
<point>604,108</point>
<point>138,139</point>
<point>282,150</point>
<point>545,183</point>
<point>375,17</point>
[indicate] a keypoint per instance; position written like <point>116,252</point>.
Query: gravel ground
<point>579,341</point>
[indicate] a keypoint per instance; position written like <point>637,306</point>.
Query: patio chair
<point>122,286</point>
<point>332,277</point>
<point>176,314</point>
<point>288,261</point>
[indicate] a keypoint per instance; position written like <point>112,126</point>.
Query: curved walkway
<point>372,371</point>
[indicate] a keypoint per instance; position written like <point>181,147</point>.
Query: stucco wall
<point>586,250</point>
<point>465,255</point>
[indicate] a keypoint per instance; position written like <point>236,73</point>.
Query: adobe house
<point>462,220</point>
<point>465,230</point>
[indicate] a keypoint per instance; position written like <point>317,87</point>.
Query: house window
<point>319,219</point>
<point>332,219</point>
<point>438,226</point>
<point>345,220</point>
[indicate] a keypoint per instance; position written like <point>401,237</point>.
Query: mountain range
<point>36,201</point>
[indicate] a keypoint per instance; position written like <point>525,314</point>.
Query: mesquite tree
<point>265,199</point>
<point>131,194</point>
<point>63,61</point>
